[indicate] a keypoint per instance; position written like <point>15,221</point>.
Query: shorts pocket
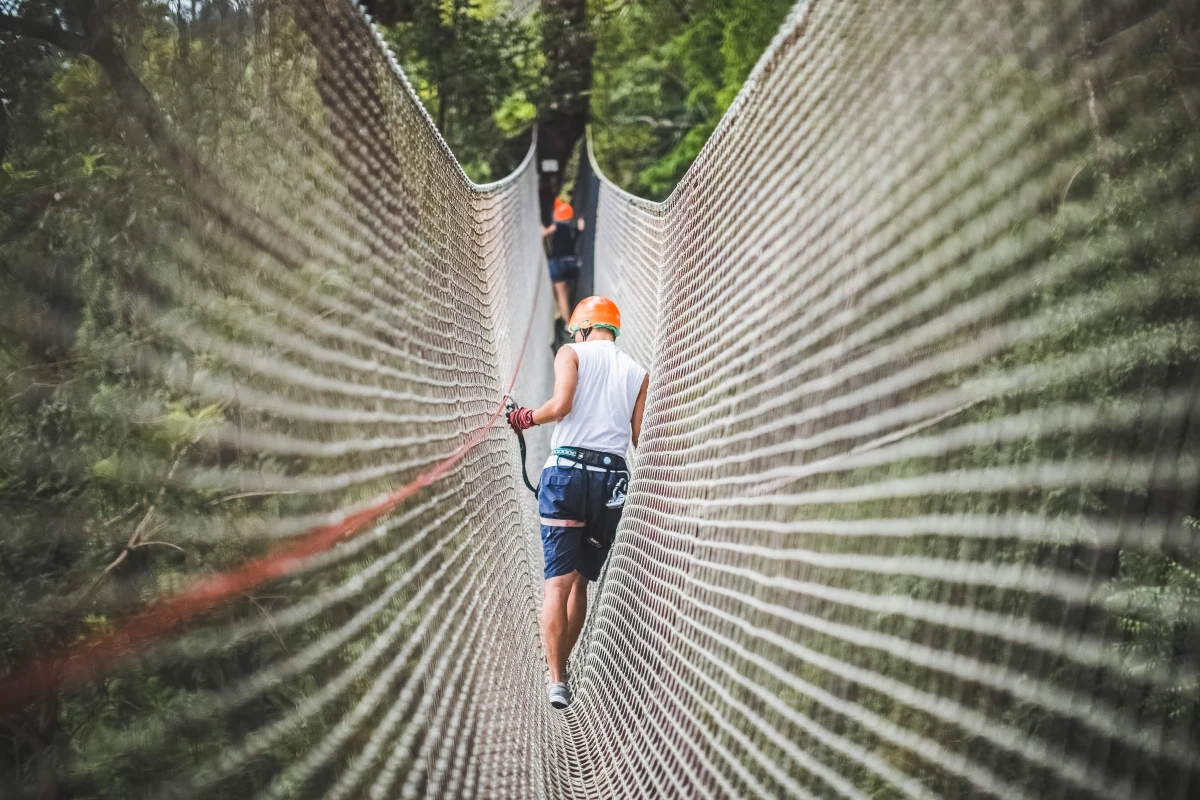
<point>555,476</point>
<point>559,495</point>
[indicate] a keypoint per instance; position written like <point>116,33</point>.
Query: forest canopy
<point>476,65</point>
<point>663,74</point>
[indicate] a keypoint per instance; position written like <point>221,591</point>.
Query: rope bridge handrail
<point>915,508</point>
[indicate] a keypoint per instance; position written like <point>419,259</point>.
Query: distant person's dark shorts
<point>565,268</point>
<point>579,498</point>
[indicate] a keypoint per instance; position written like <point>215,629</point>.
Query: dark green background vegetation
<point>665,71</point>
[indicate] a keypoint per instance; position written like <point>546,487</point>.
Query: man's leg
<point>555,624</point>
<point>598,534</point>
<point>576,612</point>
<point>559,508</point>
<point>562,298</point>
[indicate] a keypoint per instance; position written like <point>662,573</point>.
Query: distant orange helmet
<point>562,211</point>
<point>596,312</point>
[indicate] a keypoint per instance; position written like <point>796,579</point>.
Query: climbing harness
<point>617,500</point>
<point>589,460</point>
<point>596,461</point>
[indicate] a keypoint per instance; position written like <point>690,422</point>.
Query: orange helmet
<point>596,312</point>
<point>562,211</point>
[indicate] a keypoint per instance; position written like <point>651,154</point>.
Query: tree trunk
<point>389,12</point>
<point>1185,55</point>
<point>445,90</point>
<point>3,129</point>
<point>1092,79</point>
<point>443,96</point>
<point>47,776</point>
<point>563,112</point>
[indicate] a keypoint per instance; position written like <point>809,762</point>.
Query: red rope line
<point>86,658</point>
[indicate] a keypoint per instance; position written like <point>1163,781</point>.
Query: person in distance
<point>563,260</point>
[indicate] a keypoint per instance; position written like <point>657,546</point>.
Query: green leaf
<point>16,174</point>
<point>515,113</point>
<point>107,468</point>
<point>183,426</point>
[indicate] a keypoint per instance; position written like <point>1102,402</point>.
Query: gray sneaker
<point>559,694</point>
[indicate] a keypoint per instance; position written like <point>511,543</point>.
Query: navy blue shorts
<point>578,498</point>
<point>565,268</point>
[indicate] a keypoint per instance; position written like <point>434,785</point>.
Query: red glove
<point>521,419</point>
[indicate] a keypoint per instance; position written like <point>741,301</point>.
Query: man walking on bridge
<point>599,396</point>
<point>563,261</point>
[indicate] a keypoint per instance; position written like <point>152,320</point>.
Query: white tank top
<point>608,387</point>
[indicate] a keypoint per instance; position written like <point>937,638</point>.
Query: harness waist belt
<point>592,458</point>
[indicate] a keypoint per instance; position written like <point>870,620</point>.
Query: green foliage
<point>515,114</point>
<point>181,426</point>
<point>473,64</point>
<point>1156,604</point>
<point>666,72</point>
<point>96,415</point>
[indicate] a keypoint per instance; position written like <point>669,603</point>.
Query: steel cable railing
<point>914,512</point>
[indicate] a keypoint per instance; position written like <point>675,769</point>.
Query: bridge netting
<point>914,513</point>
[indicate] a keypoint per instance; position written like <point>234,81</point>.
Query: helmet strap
<point>610,329</point>
<point>588,331</point>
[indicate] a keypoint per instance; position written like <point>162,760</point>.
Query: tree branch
<point>50,34</point>
<point>101,45</point>
<point>646,119</point>
<point>22,731</point>
<point>164,544</point>
<point>136,538</point>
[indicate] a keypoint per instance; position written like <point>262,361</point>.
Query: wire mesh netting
<point>272,299</point>
<point>915,511</point>
<point>915,508</point>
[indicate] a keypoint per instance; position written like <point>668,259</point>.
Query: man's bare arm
<point>638,407</point>
<point>566,375</point>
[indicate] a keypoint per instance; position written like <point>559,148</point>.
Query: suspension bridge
<point>914,511</point>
